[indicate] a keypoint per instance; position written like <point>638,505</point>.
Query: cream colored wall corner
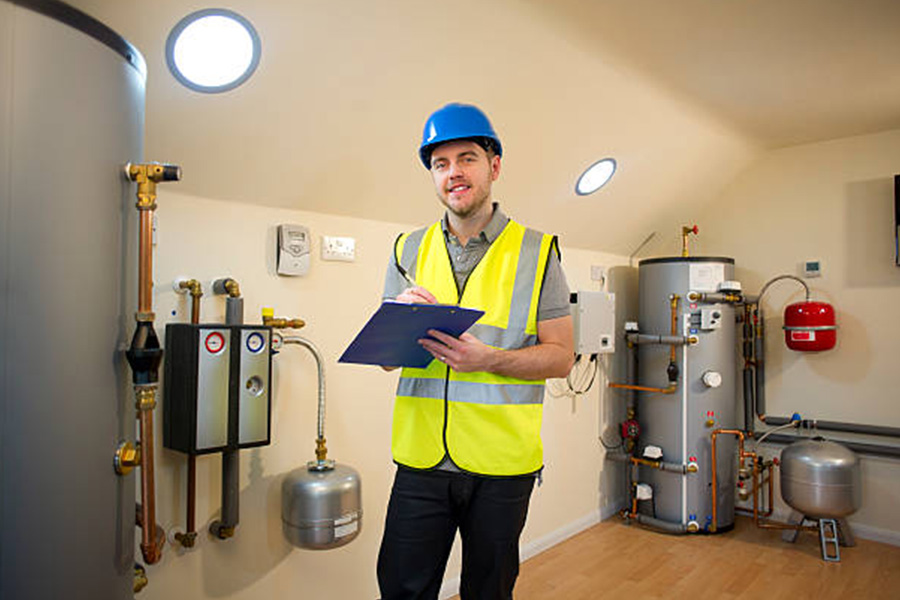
<point>832,202</point>
<point>207,239</point>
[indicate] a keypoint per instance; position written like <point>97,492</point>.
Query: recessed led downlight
<point>213,50</point>
<point>595,176</point>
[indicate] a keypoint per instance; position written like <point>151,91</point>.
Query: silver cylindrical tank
<point>71,115</point>
<point>321,509</point>
<point>681,423</point>
<point>821,479</point>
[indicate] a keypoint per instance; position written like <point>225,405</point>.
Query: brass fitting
<point>269,320</point>
<point>147,175</point>
<point>321,450</point>
<point>140,578</point>
<point>193,286</point>
<point>692,467</point>
<point>144,316</point>
<point>145,397</point>
<point>232,287</point>
<point>127,457</point>
<point>186,539</point>
<point>685,232</point>
<point>693,527</point>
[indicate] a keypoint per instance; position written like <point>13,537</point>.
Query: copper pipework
<point>145,266</point>
<point>673,303</point>
<point>188,538</point>
<point>146,176</point>
<point>622,386</point>
<point>151,544</point>
<point>196,290</point>
<point>742,456</point>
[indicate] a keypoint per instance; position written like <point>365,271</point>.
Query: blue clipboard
<point>390,337</point>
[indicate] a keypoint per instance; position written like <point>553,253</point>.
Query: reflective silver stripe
<point>525,275</point>
<point>410,254</point>
<point>421,388</point>
<point>471,392</point>
<point>502,338</point>
<point>809,327</point>
<point>496,394</point>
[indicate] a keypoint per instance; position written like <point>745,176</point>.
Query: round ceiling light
<point>595,176</point>
<point>213,50</point>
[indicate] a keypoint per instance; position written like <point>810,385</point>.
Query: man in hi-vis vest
<point>466,430</point>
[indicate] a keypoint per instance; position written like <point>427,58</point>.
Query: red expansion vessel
<point>810,326</point>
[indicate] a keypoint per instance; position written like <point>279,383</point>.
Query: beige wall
<point>832,202</point>
<point>207,239</point>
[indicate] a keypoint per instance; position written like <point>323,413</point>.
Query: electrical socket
<point>338,248</point>
<point>598,273</point>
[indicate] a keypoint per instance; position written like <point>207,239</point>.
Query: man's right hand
<point>416,295</point>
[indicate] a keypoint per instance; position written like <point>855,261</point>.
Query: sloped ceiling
<point>685,95</point>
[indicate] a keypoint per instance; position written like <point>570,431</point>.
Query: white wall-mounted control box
<point>293,250</point>
<point>594,322</point>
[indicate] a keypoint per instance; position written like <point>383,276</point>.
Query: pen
<point>406,275</point>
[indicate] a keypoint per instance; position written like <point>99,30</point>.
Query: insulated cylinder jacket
<point>486,423</point>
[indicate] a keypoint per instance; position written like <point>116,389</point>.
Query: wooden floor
<point>614,560</point>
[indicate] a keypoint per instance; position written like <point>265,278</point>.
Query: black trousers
<point>426,509</point>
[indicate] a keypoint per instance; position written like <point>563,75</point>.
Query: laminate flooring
<point>615,560</point>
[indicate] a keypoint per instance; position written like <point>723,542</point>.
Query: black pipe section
<point>839,426</point>
<point>862,448</point>
<point>749,417</point>
<point>672,371</point>
<point>144,356</point>
<point>760,366</point>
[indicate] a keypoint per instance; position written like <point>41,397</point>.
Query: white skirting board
<point>450,587</point>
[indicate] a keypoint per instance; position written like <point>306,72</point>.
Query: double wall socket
<point>338,248</point>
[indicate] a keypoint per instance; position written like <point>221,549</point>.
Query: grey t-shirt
<point>552,304</point>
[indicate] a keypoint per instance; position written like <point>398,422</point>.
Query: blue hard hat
<point>456,122</point>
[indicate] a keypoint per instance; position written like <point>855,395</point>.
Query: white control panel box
<point>293,250</point>
<point>594,321</point>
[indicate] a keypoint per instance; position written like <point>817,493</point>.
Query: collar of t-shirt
<point>490,232</point>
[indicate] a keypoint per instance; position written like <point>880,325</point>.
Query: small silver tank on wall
<point>321,507</point>
<point>321,502</point>
<point>821,479</point>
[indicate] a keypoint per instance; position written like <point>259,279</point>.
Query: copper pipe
<point>151,545</point>
<point>145,266</point>
<point>669,390</point>
<point>188,538</point>
<point>742,455</point>
<point>673,302</point>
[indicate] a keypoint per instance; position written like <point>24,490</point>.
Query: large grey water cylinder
<point>71,114</point>
<point>681,423</point>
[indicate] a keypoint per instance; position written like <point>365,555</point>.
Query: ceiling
<point>783,72</point>
<point>685,95</point>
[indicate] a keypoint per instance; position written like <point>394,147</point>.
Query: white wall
<point>833,202</point>
<point>207,239</point>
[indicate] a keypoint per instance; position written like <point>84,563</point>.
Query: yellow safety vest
<point>488,424</point>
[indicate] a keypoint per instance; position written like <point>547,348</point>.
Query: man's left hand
<point>463,354</point>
